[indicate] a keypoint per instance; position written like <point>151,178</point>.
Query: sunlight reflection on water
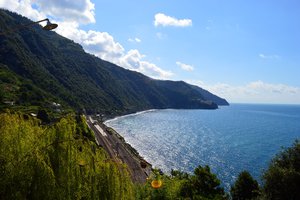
<point>229,140</point>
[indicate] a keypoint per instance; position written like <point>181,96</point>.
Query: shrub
<point>245,187</point>
<point>282,179</point>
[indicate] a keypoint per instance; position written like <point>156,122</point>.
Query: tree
<point>179,174</point>
<point>245,187</point>
<point>43,115</point>
<point>282,179</point>
<point>202,185</point>
<point>206,183</point>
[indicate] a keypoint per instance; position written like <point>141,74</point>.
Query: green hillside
<point>38,67</point>
<point>54,155</point>
<point>60,161</point>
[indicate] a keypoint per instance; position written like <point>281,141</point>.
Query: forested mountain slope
<point>38,66</point>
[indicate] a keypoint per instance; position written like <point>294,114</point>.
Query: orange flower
<point>156,184</point>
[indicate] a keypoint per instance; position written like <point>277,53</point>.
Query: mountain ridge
<point>63,72</point>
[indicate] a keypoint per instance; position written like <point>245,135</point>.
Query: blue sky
<point>243,51</point>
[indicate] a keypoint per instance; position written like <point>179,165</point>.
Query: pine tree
<point>245,187</point>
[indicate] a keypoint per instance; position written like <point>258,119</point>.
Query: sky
<point>244,51</point>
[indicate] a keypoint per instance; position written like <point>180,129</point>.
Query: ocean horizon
<point>229,140</point>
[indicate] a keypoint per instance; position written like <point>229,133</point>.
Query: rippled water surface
<point>229,140</point>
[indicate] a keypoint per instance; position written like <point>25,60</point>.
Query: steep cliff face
<point>52,67</point>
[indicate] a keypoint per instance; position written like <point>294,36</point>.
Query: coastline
<point>129,147</point>
<point>119,150</point>
<point>236,131</point>
<point>126,115</point>
<point>113,117</point>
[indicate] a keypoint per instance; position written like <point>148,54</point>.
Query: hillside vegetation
<point>62,161</point>
<point>58,161</point>
<point>42,66</point>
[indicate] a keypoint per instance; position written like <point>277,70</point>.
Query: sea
<point>229,140</point>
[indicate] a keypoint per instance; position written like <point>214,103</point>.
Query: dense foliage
<point>201,185</point>
<point>245,187</point>
<point>49,66</point>
<point>56,162</point>
<point>282,179</point>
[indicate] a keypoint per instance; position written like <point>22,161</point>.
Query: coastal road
<point>119,151</point>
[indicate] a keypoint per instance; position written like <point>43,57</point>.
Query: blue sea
<point>230,139</point>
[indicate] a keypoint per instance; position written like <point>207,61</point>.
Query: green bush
<point>282,179</point>
<point>206,184</point>
<point>201,185</point>
<point>245,187</point>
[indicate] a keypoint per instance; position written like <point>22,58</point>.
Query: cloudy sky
<point>247,52</point>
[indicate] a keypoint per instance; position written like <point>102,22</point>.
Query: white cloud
<point>22,7</point>
<point>134,60</point>
<point>138,40</point>
<point>81,11</point>
<point>185,66</point>
<point>161,36</point>
<point>103,45</point>
<point>70,15</point>
<point>210,24</point>
<point>271,57</point>
<point>161,19</point>
<point>254,92</point>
